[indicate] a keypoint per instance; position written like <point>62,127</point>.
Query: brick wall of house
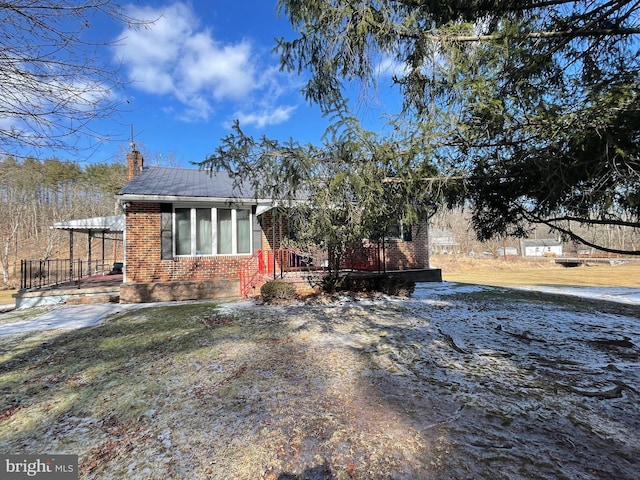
<point>143,260</point>
<point>266,223</point>
<point>280,227</point>
<point>150,278</point>
<point>406,255</point>
<point>173,279</point>
<point>142,243</point>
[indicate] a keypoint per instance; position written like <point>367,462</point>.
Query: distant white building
<point>506,251</point>
<point>544,247</point>
<point>443,241</point>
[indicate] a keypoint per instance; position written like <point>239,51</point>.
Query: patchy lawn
<point>457,382</point>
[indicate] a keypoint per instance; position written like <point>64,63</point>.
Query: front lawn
<point>457,382</point>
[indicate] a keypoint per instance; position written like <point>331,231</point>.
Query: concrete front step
<point>69,296</point>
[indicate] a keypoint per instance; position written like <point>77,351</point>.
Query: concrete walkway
<point>71,317</point>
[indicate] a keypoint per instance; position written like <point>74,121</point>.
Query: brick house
<point>190,234</point>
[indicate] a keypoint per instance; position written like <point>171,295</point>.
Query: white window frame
<point>214,230</point>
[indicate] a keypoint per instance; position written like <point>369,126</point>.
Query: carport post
<point>70,255</point>
<point>89,254</point>
<point>102,259</point>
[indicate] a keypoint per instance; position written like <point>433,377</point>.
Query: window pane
<point>203,231</point>
<point>394,231</point>
<point>407,234</point>
<point>224,231</point>
<point>183,231</point>
<point>243,231</point>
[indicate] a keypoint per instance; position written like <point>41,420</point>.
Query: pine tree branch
<point>574,236</point>
<point>578,33</point>
<point>591,221</point>
<point>445,179</point>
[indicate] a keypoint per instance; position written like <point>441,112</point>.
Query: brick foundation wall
<point>179,290</point>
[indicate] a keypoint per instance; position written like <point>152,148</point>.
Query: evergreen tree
<point>529,110</point>
<point>336,195</point>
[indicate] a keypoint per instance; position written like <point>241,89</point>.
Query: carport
<point>106,228</point>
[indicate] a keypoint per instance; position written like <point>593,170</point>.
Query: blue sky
<point>198,67</point>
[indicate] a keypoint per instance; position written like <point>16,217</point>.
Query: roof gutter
<point>181,199</point>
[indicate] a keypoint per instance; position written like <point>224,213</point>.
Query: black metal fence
<point>46,273</point>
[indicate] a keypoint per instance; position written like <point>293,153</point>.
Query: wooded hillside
<point>34,194</point>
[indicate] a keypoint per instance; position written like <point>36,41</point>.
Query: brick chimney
<point>135,162</point>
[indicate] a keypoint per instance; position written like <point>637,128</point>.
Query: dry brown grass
<point>6,296</point>
<point>517,271</point>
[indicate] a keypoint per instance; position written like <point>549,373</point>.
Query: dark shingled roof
<point>184,182</point>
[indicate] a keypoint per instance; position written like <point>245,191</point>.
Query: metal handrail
<point>271,264</point>
<point>36,274</point>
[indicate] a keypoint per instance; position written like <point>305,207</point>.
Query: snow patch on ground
<point>629,296</point>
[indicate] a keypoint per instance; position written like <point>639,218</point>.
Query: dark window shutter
<point>166,231</point>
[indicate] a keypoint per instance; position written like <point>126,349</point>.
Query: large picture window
<point>212,231</point>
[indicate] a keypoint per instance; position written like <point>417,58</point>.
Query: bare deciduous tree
<point>53,80</point>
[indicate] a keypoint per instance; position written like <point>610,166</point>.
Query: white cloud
<point>178,57</point>
<point>266,116</point>
<point>388,67</point>
<point>225,71</point>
